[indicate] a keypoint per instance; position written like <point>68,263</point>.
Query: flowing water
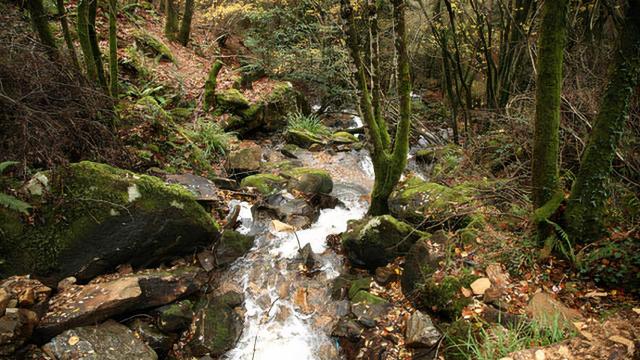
<point>290,314</point>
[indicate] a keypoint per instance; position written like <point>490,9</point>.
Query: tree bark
<point>589,193</point>
<point>85,42</point>
<point>553,35</point>
<point>93,39</point>
<point>210,86</point>
<point>66,33</point>
<point>40,22</point>
<point>171,21</point>
<point>185,26</point>
<point>113,48</point>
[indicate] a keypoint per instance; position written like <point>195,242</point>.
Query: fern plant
<point>10,201</point>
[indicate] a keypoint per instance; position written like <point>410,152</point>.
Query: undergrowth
<point>311,123</point>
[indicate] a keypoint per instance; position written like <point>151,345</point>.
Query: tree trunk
<point>85,42</point>
<point>40,22</point>
<point>171,21</point>
<point>589,193</point>
<point>553,35</point>
<point>388,163</point>
<point>185,26</point>
<point>210,86</point>
<point>93,39</point>
<point>113,48</point>
<point>66,33</point>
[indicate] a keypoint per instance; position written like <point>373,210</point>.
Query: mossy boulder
<point>343,137</point>
<point>373,242</point>
<point>153,46</point>
<point>244,160</point>
<point>215,329</point>
<point>232,246</point>
<point>267,113</point>
<point>231,101</point>
<point>419,202</point>
<point>367,298</point>
<point>264,183</point>
<point>309,180</point>
<point>94,217</point>
<point>442,296</point>
<point>303,138</point>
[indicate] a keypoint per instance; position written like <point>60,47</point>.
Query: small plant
<point>311,123</point>
<point>497,342</point>
<point>211,138</point>
<point>10,201</point>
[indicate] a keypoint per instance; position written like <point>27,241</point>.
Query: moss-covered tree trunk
<point>113,48</point>
<point>40,22</point>
<point>589,193</point>
<point>553,35</point>
<point>210,86</point>
<point>64,24</point>
<point>389,158</point>
<point>185,25</point>
<point>93,39</point>
<point>171,21</point>
<point>85,42</point>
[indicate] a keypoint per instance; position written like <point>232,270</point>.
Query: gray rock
<point>369,314</point>
<point>245,160</point>
<point>215,329</point>
<point>298,213</point>
<point>421,261</point>
<point>202,188</point>
<point>232,246</point>
<point>420,331</point>
<point>175,317</point>
<point>306,253</point>
<point>107,341</point>
<point>16,326</point>
<point>87,304</point>
<point>347,328</point>
<point>149,333</point>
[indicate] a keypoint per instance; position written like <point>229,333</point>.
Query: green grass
<point>497,342</point>
<point>212,139</point>
<point>310,123</point>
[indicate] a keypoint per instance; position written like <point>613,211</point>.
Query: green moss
<point>135,61</point>
<point>310,180</point>
<point>358,285</point>
<point>264,183</point>
<point>444,297</point>
<point>231,100</point>
<point>343,137</point>
<point>304,138</point>
<point>153,45</point>
<point>367,298</point>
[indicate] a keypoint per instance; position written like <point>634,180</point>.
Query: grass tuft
<point>311,123</point>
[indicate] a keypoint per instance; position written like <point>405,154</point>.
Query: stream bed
<point>290,314</point>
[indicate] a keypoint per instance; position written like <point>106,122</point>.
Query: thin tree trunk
<point>93,39</point>
<point>553,35</point>
<point>185,26</point>
<point>66,33</point>
<point>113,48</point>
<point>589,193</point>
<point>210,86</point>
<point>171,21</point>
<point>40,22</point>
<point>85,42</point>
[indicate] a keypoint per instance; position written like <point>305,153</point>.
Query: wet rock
<point>207,260</point>
<point>368,314</point>
<point>149,333</point>
<point>298,213</point>
<point>102,217</point>
<point>109,341</point>
<point>306,254</point>
<point>347,328</point>
<point>343,137</point>
<point>421,261</point>
<point>16,326</point>
<point>232,246</point>
<point>309,181</point>
<point>174,317</point>
<point>367,298</point>
<point>340,287</point>
<point>420,331</point>
<point>420,202</point>
<point>373,242</point>
<point>304,139</point>
<point>358,285</point>
<point>224,183</point>
<point>86,304</point>
<point>265,183</point>
<point>4,300</point>
<point>426,156</point>
<point>245,160</point>
<point>66,283</point>
<point>202,188</point>
<point>546,310</point>
<point>215,329</point>
<point>384,276</point>
<point>26,291</point>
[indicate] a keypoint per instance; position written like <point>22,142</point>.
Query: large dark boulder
<point>373,242</point>
<point>91,217</point>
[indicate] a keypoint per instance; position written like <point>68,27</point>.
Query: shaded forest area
<point>320,179</point>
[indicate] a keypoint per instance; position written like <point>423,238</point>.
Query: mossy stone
<point>367,298</point>
<point>231,100</point>
<point>232,246</point>
<point>443,296</point>
<point>153,45</point>
<point>373,242</point>
<point>343,137</point>
<point>98,217</point>
<point>358,285</point>
<point>309,180</point>
<point>264,183</point>
<point>303,138</point>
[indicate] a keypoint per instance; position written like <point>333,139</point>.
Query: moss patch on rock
<point>303,138</point>
<point>343,137</point>
<point>309,180</point>
<point>153,46</point>
<point>264,183</point>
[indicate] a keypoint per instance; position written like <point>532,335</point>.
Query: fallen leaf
<point>626,342</point>
<point>636,310</point>
<point>480,286</point>
<point>73,340</point>
<point>594,294</point>
<point>279,226</point>
<point>466,292</point>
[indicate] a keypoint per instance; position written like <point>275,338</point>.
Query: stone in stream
<point>306,253</point>
<point>373,242</point>
<point>16,326</point>
<point>4,300</point>
<point>296,212</point>
<point>368,314</point>
<point>266,184</point>
<point>309,180</point>
<point>160,342</point>
<point>304,138</point>
<point>232,246</point>
<point>174,317</point>
<point>104,297</point>
<point>103,217</point>
<point>420,331</point>
<point>202,188</point>
<point>108,341</point>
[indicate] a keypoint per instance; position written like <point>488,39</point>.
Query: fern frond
<point>13,203</point>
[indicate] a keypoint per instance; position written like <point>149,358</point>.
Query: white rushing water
<point>289,315</point>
